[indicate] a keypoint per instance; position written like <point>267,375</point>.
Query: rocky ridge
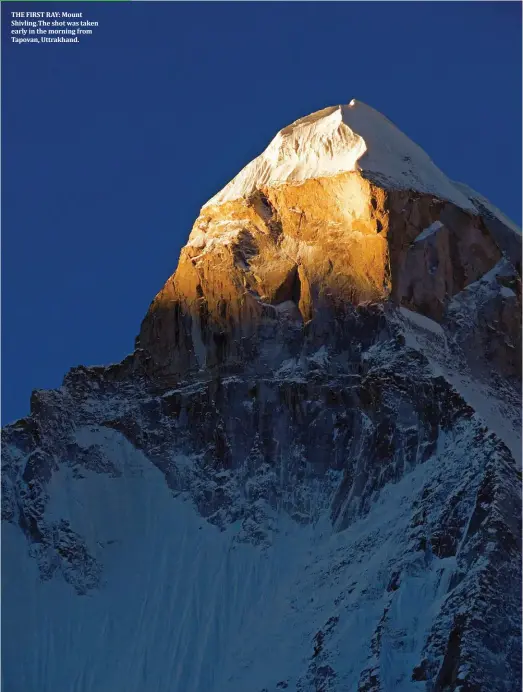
<point>327,388</point>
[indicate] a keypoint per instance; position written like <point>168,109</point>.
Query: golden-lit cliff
<point>341,209</point>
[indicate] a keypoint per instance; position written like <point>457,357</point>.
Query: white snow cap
<point>340,139</point>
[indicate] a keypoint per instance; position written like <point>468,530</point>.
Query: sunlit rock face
<point>306,476</point>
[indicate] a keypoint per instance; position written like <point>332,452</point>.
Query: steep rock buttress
<point>342,209</point>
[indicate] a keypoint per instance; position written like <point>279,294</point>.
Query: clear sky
<point>111,146</point>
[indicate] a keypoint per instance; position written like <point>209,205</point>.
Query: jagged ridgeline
<point>307,474</point>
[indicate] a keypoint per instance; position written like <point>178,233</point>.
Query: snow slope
<point>501,414</point>
<point>185,607</point>
<point>482,201</point>
<point>339,139</point>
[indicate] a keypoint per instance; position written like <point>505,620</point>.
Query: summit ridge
<point>340,139</point>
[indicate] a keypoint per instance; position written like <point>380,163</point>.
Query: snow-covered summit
<point>339,139</point>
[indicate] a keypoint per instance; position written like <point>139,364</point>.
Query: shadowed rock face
<point>308,464</point>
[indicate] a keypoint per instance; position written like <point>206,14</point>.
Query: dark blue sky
<point>111,146</point>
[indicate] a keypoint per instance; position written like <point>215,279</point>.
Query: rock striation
<point>306,476</point>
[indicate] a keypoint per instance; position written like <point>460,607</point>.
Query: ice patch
<point>507,292</point>
<point>289,368</point>
<point>320,358</point>
<point>286,306</point>
<point>422,322</point>
<point>433,228</point>
<point>199,347</point>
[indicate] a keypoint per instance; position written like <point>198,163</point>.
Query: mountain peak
<point>304,478</point>
<point>341,209</point>
<point>341,139</point>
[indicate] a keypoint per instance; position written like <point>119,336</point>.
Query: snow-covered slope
<point>498,406</point>
<point>340,139</point>
<point>182,606</point>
